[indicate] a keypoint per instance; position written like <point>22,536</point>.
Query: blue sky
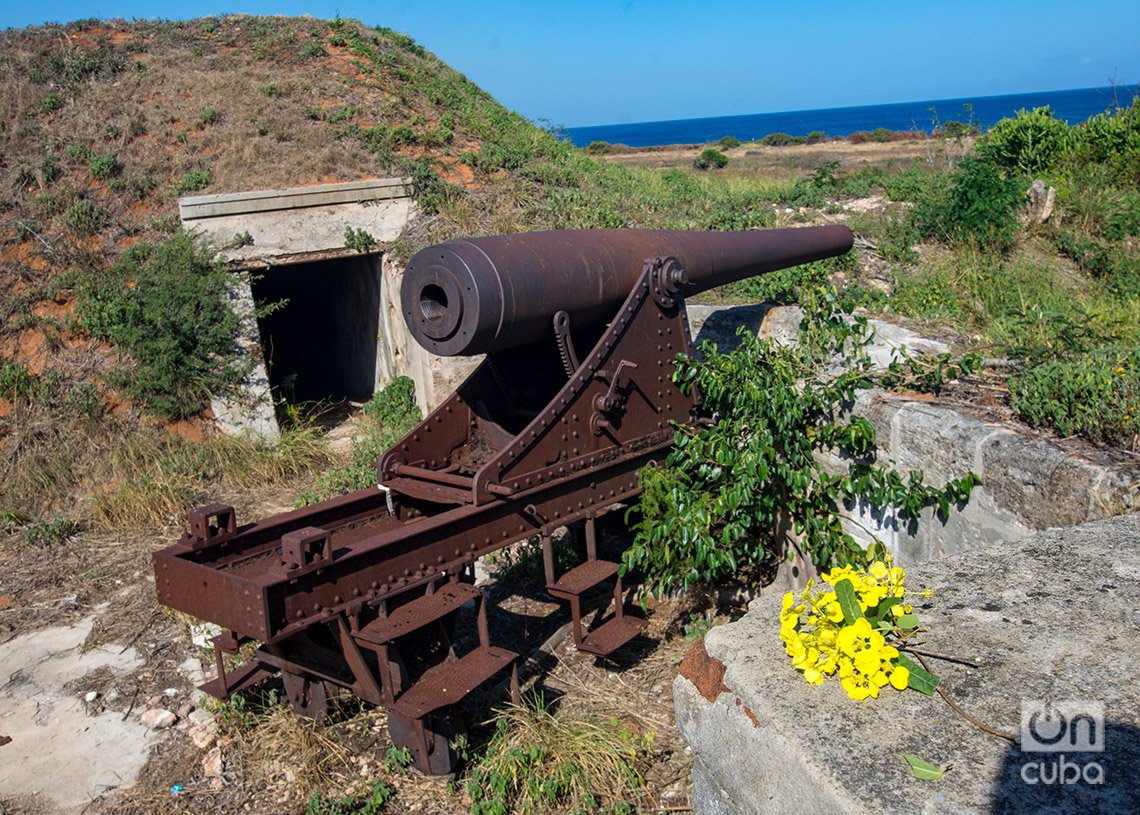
<point>593,62</point>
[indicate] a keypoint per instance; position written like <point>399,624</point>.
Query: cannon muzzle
<point>477,295</point>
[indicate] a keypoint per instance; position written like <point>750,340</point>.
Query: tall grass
<point>540,760</point>
<point>156,477</point>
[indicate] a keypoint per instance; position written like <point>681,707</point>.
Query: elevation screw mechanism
<point>668,278</point>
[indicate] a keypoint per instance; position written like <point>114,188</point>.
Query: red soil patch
<point>344,64</point>
<point>96,35</point>
<point>194,430</point>
<point>115,403</point>
<point>54,310</point>
<point>25,254</point>
<point>454,171</point>
<point>32,350</point>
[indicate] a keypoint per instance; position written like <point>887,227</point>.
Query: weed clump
<point>390,414</point>
<point>1095,395</point>
<point>541,759</point>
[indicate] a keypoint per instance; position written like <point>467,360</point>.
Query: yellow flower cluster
<point>821,643</point>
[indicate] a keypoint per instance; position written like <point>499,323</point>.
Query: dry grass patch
<point>542,758</point>
<point>155,478</point>
<point>284,750</point>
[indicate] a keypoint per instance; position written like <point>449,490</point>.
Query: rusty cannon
<point>574,396</point>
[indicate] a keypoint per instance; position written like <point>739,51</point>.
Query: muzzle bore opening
<point>433,302</point>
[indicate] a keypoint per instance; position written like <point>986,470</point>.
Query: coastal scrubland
<point>115,329</point>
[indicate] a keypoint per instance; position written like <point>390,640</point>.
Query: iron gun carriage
<point>574,397</point>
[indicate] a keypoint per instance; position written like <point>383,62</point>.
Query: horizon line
<point>851,107</point>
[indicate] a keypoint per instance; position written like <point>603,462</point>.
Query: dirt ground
<point>796,159</point>
<point>89,658</point>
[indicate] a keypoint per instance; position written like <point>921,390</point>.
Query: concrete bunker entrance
<point>318,328</point>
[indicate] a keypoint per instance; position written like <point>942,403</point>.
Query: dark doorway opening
<point>320,344</point>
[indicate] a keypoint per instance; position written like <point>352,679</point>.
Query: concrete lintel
<point>263,262</point>
<point>288,236</point>
<point>196,207</point>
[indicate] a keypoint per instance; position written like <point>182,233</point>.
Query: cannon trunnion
<point>574,397</point>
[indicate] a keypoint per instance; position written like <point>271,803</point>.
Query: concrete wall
<point>1044,618</point>
<point>398,354</point>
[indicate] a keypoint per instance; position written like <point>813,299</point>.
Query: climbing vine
<point>739,486</point>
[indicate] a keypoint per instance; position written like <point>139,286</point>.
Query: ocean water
<point>1073,106</point>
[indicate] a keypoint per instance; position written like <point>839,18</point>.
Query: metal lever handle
<point>610,400</point>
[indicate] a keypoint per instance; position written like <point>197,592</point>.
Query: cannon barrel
<point>477,295</point>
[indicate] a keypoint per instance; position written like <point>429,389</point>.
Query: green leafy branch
<point>927,373</point>
<point>736,488</point>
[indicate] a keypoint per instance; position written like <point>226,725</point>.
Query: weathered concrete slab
<point>1028,483</point>
<point>300,224</point>
<point>782,324</point>
<point>196,207</point>
<point>1052,617</point>
<point>61,756</point>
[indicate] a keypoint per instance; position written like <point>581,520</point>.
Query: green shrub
<point>432,192</point>
<point>359,239</point>
<point>167,307</point>
<point>394,406</point>
<point>48,103</point>
<point>952,129</point>
<point>1122,218</point>
<point>728,143</point>
<point>979,206</point>
<point>1031,142</point>
<point>860,183</point>
<point>815,189</point>
<point>17,382</point>
<point>911,184</point>
<point>1096,395</point>
<point>781,140</point>
<point>598,148</point>
<point>194,180</point>
<point>710,157</point>
<point>1111,138</point>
